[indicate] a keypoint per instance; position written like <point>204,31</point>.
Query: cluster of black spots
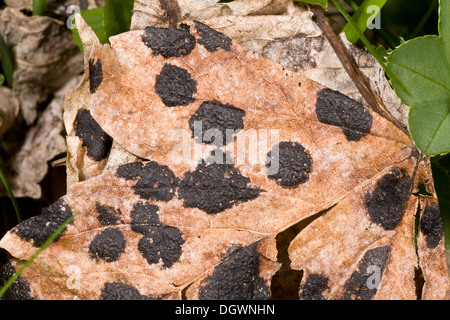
<point>169,42</point>
<point>108,216</point>
<point>160,242</point>
<point>335,108</point>
<point>432,226</point>
<point>313,287</point>
<point>123,291</point>
<point>294,164</point>
<point>41,227</point>
<point>359,286</point>
<point>19,289</point>
<point>225,119</point>
<point>154,181</point>
<point>95,74</point>
<point>387,203</point>
<point>237,277</point>
<point>215,187</point>
<point>108,245</point>
<point>175,86</point>
<point>97,142</point>
<point>211,39</point>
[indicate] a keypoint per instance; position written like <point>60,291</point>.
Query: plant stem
<point>39,7</point>
<point>29,261</point>
<point>13,200</point>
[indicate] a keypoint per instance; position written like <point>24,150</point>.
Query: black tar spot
<point>122,291</point>
<point>169,42</point>
<point>211,39</point>
<point>154,181</point>
<point>357,287</point>
<point>160,242</point>
<point>95,75</point>
<point>432,226</point>
<point>294,164</point>
<point>97,142</point>
<point>215,187</point>
<point>332,107</point>
<point>313,288</point>
<point>386,204</point>
<point>175,86</point>
<point>41,227</point>
<point>224,118</point>
<point>108,245</point>
<point>19,289</point>
<point>108,216</point>
<point>237,277</point>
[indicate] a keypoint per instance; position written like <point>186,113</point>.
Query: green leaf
<point>441,176</point>
<point>363,17</point>
<point>323,3</point>
<point>423,67</point>
<point>94,18</point>
<point>6,63</point>
<point>2,79</point>
<point>39,7</point>
<point>117,16</point>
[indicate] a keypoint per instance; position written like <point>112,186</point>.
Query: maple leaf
<point>204,226</point>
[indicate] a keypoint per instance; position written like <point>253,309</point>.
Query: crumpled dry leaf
<point>316,60</point>
<point>153,13</point>
<point>45,57</point>
<point>9,108</point>
<point>28,164</point>
<point>181,223</point>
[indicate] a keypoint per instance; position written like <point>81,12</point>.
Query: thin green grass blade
<point>41,248</point>
<point>39,7</point>
<point>361,18</point>
<point>13,200</point>
<point>368,45</point>
<point>6,63</point>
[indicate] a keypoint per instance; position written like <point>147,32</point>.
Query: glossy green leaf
<point>94,18</point>
<point>423,67</point>
<point>117,16</point>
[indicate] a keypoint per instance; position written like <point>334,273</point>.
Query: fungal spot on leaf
<point>123,291</point>
<point>313,288</point>
<point>95,75</point>
<point>432,226</point>
<point>108,245</point>
<point>294,164</point>
<point>335,108</point>
<point>175,86</point>
<point>237,277</point>
<point>215,187</point>
<point>19,289</point>
<point>108,216</point>
<point>169,42</point>
<point>225,118</point>
<point>41,227</point>
<point>386,204</point>
<point>97,142</point>
<point>365,281</point>
<point>211,39</point>
<point>160,242</point>
<point>154,181</point>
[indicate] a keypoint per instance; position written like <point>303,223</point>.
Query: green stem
<point>41,248</point>
<point>39,7</point>
<point>13,200</point>
<point>368,45</point>
<point>6,63</point>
